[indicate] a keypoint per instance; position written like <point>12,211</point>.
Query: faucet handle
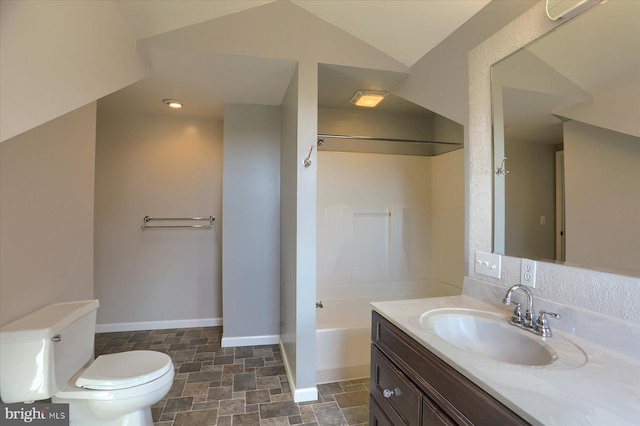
<point>542,325</point>
<point>517,318</point>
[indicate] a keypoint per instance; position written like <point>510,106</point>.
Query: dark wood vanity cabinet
<point>412,386</point>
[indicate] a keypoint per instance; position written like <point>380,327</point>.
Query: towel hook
<point>307,161</point>
<point>502,169</point>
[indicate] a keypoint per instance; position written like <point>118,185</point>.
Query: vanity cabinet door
<point>395,394</point>
<point>377,417</point>
<point>432,415</point>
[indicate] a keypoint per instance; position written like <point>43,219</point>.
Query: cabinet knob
<point>389,393</point>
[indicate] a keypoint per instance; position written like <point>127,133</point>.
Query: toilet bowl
<point>118,389</point>
<point>49,354</point>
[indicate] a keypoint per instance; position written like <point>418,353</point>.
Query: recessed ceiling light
<point>368,98</point>
<point>172,103</point>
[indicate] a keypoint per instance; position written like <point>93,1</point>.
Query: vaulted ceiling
<point>208,53</point>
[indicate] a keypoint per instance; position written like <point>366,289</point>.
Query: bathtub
<point>343,340</point>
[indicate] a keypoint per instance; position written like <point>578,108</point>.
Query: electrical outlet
<point>528,272</point>
<point>488,264</point>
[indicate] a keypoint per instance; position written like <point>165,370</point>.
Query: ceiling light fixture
<point>368,98</point>
<point>172,103</point>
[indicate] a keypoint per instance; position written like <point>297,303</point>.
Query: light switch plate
<point>488,264</point>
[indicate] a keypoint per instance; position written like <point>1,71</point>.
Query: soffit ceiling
<point>208,53</point>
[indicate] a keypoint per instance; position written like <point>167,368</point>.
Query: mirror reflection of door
<point>560,219</point>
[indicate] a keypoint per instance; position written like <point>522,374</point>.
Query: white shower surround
<point>380,230</point>
<point>605,293</point>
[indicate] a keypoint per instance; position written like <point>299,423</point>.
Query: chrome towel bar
<point>147,219</point>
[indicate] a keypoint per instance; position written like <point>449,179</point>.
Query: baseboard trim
<point>302,394</point>
<point>228,342</point>
<point>158,325</point>
<point>305,394</point>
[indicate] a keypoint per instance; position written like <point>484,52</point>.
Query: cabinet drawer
<point>402,402</point>
<point>462,400</point>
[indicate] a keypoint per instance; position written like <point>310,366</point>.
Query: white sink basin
<point>489,335</point>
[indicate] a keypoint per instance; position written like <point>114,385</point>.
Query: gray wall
<point>298,208</point>
<point>158,166</point>
<point>46,214</point>
<point>251,227</point>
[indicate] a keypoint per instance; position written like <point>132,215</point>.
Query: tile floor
<point>243,386</point>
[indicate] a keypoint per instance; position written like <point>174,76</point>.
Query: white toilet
<point>50,354</point>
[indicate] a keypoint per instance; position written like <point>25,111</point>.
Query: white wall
<point>46,214</point>
<point>56,56</point>
<point>602,175</point>
<point>251,211</point>
<point>609,294</point>
<point>159,167</point>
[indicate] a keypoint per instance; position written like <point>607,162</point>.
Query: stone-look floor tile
<point>195,389</point>
<point>230,369</point>
<point>244,382</point>
<point>329,414</point>
<point>258,396</point>
<point>352,399</point>
<point>205,405</point>
<point>182,356</point>
<point>275,370</point>
<point>248,419</point>
<point>278,409</point>
<point>223,359</point>
<point>178,404</point>
<point>356,415</point>
<point>354,387</point>
<point>203,391</point>
<point>225,421</point>
<point>329,388</point>
<point>243,352</point>
<point>204,376</point>
<point>196,418</point>
<point>278,421</point>
<point>295,420</point>
<point>268,382</point>
<point>176,388</point>
<point>282,397</point>
<point>231,406</point>
<point>253,362</point>
<point>189,367</point>
<point>307,413</point>
<point>220,393</point>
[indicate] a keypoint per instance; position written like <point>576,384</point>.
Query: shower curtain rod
<point>370,138</point>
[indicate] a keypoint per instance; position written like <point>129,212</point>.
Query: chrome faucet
<point>528,320</point>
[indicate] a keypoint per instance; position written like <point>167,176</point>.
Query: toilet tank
<point>41,351</point>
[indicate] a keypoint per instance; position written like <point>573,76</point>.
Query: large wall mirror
<point>566,116</point>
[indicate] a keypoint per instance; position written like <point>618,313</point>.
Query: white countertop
<point>604,391</point>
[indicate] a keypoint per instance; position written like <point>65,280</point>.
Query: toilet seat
<point>124,370</point>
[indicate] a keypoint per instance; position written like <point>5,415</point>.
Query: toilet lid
<point>124,370</point>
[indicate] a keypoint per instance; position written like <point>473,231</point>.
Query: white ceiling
<point>403,30</point>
